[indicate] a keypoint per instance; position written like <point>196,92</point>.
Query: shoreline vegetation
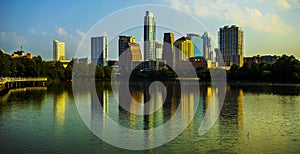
<point>285,70</point>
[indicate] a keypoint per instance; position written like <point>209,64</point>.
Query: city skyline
<point>35,29</point>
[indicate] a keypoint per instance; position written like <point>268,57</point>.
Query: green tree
<point>5,65</point>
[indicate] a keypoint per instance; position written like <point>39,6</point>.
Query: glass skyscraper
<point>149,36</point>
<point>198,44</point>
<point>206,45</point>
<point>99,53</point>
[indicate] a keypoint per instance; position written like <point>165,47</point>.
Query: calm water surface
<point>254,118</point>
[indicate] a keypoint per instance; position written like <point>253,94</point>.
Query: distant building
<point>81,60</point>
<point>21,54</point>
<point>206,45</point>
<point>198,44</point>
<point>261,59</point>
<point>63,62</point>
<point>186,46</point>
<point>168,52</point>
<point>158,50</point>
<point>130,56</point>
<point>149,36</point>
<point>58,50</point>
<point>99,50</point>
<point>150,65</point>
<point>123,43</point>
<point>114,63</point>
<point>231,44</point>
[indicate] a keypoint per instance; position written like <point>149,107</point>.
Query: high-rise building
<point>158,50</point>
<point>231,45</point>
<point>58,50</point>
<point>198,44</point>
<point>99,50</point>
<point>185,47</point>
<point>130,57</point>
<point>168,52</point>
<point>129,52</point>
<point>149,36</point>
<point>206,45</point>
<point>123,43</point>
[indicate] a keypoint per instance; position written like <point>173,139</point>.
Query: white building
<point>58,50</point>
<point>99,50</point>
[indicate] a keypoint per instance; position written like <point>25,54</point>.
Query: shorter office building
<point>21,54</point>
<point>261,59</point>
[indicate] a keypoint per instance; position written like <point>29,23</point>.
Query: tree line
<point>285,69</point>
<point>36,67</point>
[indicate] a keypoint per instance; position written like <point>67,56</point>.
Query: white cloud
<point>2,36</point>
<point>231,11</point>
<point>61,31</point>
<point>80,33</point>
<point>284,4</point>
<point>32,30</point>
<point>44,33</point>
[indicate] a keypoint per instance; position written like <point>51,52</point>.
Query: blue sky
<point>270,26</point>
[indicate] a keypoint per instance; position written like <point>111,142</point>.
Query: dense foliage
<point>36,67</point>
<point>286,69</point>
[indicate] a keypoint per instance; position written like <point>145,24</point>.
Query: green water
<point>255,118</point>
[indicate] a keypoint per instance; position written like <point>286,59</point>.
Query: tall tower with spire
<point>149,36</point>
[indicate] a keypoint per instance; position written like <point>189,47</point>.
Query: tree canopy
<point>286,69</point>
<point>36,67</point>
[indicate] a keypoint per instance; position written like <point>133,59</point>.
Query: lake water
<point>255,118</point>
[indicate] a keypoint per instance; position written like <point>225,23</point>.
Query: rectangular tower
<point>99,50</point>
<point>129,52</point>
<point>206,45</point>
<point>149,36</point>
<point>231,45</point>
<point>168,52</point>
<point>58,50</point>
<point>198,44</point>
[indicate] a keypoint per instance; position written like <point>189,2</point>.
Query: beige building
<point>130,53</point>
<point>58,50</point>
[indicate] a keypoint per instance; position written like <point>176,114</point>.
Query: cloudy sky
<point>270,26</point>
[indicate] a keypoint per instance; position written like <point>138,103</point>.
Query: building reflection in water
<point>232,111</point>
<point>59,111</point>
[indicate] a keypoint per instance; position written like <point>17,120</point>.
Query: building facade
<point>231,44</point>
<point>131,57</point>
<point>168,52</point>
<point>99,50</point>
<point>261,59</point>
<point>149,36</point>
<point>81,60</point>
<point>185,49</point>
<point>206,45</point>
<point>158,50</point>
<point>198,44</point>
<point>123,43</point>
<point>21,54</point>
<point>58,50</point>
